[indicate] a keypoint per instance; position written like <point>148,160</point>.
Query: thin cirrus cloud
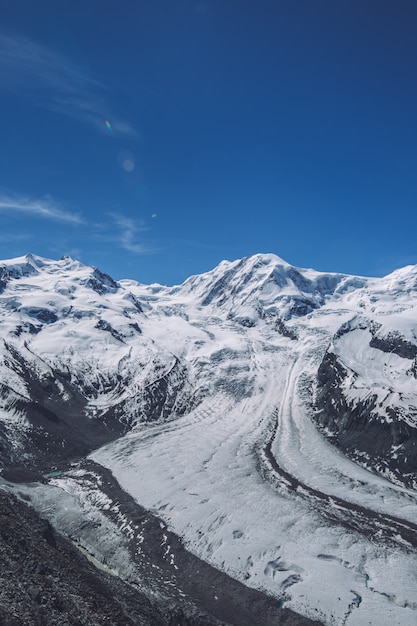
<point>126,237</point>
<point>26,66</point>
<point>45,208</point>
<point>124,230</point>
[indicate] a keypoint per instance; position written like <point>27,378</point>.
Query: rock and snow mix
<point>238,392</point>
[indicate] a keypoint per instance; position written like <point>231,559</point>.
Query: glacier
<point>266,414</point>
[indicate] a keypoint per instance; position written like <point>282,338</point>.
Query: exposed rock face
<point>394,343</point>
<point>368,419</point>
<point>59,423</point>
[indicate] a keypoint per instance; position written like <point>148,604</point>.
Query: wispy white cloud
<point>116,228</point>
<point>22,59</point>
<point>126,235</point>
<point>26,66</point>
<point>45,208</point>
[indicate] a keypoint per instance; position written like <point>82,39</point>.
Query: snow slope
<point>75,367</point>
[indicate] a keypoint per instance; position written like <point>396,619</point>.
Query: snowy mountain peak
<point>264,284</point>
<point>65,268</point>
<point>402,279</point>
<point>17,268</point>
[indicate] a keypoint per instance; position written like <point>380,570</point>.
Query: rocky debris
<point>46,581</point>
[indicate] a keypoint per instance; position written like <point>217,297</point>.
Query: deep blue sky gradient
<point>237,127</point>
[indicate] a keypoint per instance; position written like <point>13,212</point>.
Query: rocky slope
<point>366,397</point>
<point>45,581</point>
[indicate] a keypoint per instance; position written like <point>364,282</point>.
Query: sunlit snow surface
<point>201,473</point>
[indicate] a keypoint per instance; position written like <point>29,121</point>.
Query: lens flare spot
<point>153,215</point>
<point>108,125</point>
<point>128,165</point>
<point>126,161</point>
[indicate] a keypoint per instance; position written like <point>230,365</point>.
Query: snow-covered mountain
<point>365,386</point>
<point>75,368</point>
<point>269,411</point>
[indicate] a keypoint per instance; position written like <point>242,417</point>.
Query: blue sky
<point>154,138</point>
